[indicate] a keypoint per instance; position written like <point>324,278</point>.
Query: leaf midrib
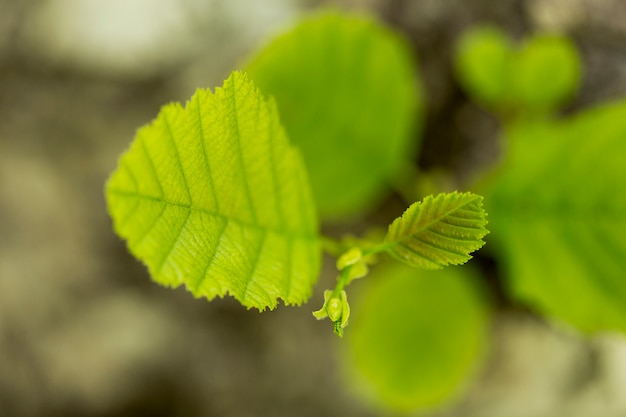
<point>437,220</point>
<point>284,232</point>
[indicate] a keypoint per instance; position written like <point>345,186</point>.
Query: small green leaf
<point>438,231</point>
<point>358,270</point>
<point>346,88</point>
<point>212,196</point>
<point>547,72</point>
<point>483,64</point>
<point>531,79</point>
<point>351,257</point>
<point>417,337</point>
<point>322,313</point>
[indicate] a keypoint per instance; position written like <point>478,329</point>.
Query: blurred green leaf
<point>547,72</point>
<point>483,63</point>
<point>533,78</point>
<point>416,337</point>
<point>558,217</point>
<point>438,231</point>
<point>213,196</point>
<point>346,89</point>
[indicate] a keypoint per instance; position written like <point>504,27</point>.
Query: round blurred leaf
<point>347,94</point>
<point>416,336</point>
<point>483,64</point>
<point>534,78</point>
<point>547,71</point>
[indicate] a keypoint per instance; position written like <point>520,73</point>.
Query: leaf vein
<point>152,167</point>
<point>255,264</point>
<point>435,246</point>
<point>168,252</point>
<point>288,266</point>
<point>459,239</point>
<point>143,235</point>
<point>128,215</point>
<point>206,158</point>
<point>246,185</point>
<point>416,253</point>
<point>130,172</point>
<point>309,236</point>
<point>273,162</point>
<point>177,156</point>
<point>211,258</point>
<point>463,227</point>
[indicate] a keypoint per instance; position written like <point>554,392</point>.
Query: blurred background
<point>84,331</point>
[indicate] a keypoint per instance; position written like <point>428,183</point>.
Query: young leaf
<point>212,196</point>
<point>533,78</point>
<point>547,71</point>
<point>483,64</point>
<point>346,89</point>
<point>438,231</point>
<point>416,337</point>
<point>558,217</point>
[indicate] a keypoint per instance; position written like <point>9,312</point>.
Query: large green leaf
<point>212,196</point>
<point>346,89</point>
<point>558,217</point>
<point>416,337</point>
<point>438,231</point>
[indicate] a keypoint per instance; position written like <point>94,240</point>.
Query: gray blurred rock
<point>138,38</point>
<point>567,15</point>
<point>143,38</point>
<point>540,370</point>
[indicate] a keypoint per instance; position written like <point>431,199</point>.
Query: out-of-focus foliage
<point>213,196</point>
<point>483,59</point>
<point>438,231</point>
<point>557,210</point>
<point>547,72</point>
<point>535,77</point>
<point>346,89</point>
<point>558,216</point>
<point>417,336</point>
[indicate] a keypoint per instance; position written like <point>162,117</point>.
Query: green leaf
<point>416,338</point>
<point>547,72</point>
<point>558,217</point>
<point>212,196</point>
<point>438,231</point>
<point>483,64</point>
<point>346,89</point>
<point>533,78</point>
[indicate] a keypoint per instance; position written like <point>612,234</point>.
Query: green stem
<point>381,247</point>
<point>342,281</point>
<point>344,275</point>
